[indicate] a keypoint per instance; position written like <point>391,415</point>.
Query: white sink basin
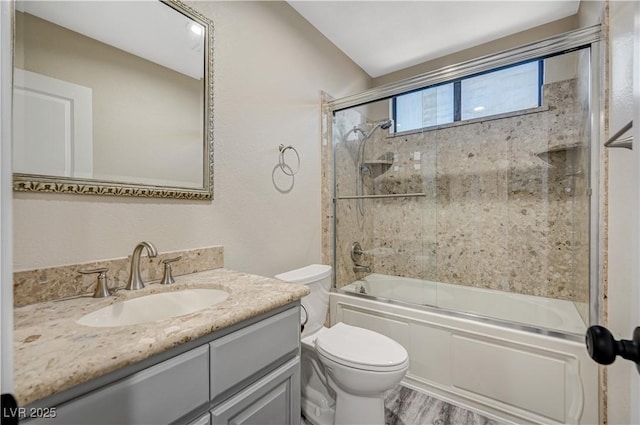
<point>153,307</point>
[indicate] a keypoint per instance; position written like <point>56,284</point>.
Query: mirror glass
<point>113,98</point>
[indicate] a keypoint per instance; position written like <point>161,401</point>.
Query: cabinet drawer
<point>239,355</point>
<point>157,395</point>
<point>273,400</point>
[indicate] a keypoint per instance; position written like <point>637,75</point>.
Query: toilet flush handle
<point>304,321</point>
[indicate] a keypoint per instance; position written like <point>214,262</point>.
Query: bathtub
<point>537,313</point>
<point>522,374</point>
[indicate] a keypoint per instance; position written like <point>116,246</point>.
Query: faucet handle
<point>171,260</point>
<point>102,288</point>
<point>167,278</point>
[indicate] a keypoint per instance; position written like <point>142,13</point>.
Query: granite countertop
<point>53,353</point>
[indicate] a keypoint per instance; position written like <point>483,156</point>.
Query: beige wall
<point>590,12</point>
<point>270,68</point>
<point>505,43</point>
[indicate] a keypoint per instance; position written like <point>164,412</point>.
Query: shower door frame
<point>585,38</point>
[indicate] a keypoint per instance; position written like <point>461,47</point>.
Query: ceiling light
<point>196,28</point>
<point>478,108</point>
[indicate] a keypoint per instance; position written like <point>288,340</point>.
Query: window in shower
<point>424,108</point>
<point>499,91</point>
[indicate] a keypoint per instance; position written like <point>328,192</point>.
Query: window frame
<point>457,93</point>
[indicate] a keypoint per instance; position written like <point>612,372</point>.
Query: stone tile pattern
<point>47,284</point>
<point>404,406</point>
<point>326,181</point>
<point>53,353</point>
<point>505,203</point>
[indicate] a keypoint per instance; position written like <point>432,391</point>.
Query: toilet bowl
<point>345,369</point>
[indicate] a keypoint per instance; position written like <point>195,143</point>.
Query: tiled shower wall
<point>505,202</point>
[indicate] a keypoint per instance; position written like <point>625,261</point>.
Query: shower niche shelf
<point>378,162</point>
<point>388,195</point>
<point>563,157</point>
<point>378,166</point>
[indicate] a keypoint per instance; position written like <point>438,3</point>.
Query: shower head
<point>385,124</point>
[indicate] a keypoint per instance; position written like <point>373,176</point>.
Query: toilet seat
<point>361,349</point>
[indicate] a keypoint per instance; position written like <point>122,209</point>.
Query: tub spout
<point>357,268</point>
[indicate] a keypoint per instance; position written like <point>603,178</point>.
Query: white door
<point>52,126</point>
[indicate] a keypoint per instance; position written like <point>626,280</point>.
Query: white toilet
<point>345,370</point>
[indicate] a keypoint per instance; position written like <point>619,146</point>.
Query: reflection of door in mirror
<point>110,91</point>
<point>61,144</point>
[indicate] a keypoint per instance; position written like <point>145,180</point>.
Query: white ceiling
<point>385,36</point>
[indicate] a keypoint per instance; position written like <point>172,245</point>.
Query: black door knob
<point>603,348</point>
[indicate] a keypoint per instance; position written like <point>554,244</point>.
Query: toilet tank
<point>316,304</point>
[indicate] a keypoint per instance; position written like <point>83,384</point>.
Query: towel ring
<point>283,165</point>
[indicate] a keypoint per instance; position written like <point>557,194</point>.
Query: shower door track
<point>392,195</point>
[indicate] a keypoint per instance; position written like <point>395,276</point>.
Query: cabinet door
<point>272,400</point>
<point>202,420</point>
<point>158,395</point>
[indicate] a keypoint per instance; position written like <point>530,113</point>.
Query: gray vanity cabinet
<point>249,376</point>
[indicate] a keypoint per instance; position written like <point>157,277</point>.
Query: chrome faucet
<point>135,280</point>
<point>356,256</point>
